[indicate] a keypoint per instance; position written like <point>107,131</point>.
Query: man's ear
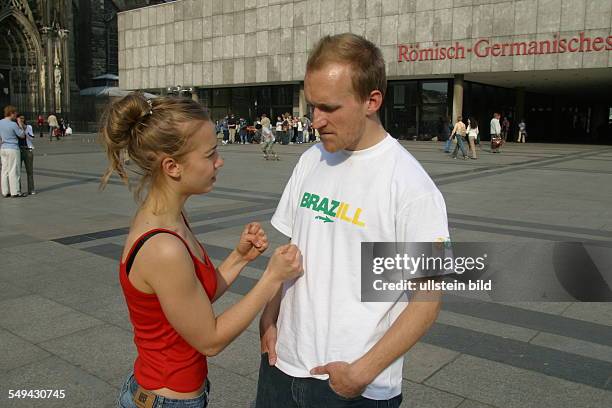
<point>374,102</point>
<point>171,167</point>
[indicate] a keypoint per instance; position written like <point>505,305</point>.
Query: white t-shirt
<point>472,132</point>
<point>495,127</point>
<point>378,194</point>
<point>267,134</point>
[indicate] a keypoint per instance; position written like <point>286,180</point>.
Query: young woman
<point>472,134</point>
<point>168,280</point>
<point>459,132</point>
<point>522,132</point>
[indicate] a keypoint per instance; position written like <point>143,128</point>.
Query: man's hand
<point>268,342</point>
<point>343,378</point>
<point>253,242</point>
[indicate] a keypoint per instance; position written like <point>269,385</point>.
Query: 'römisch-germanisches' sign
<point>485,47</point>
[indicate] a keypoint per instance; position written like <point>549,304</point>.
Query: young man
<point>496,140</point>
<point>26,148</point>
<point>321,345</point>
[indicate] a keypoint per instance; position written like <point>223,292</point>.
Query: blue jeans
<point>243,137</point>
<point>276,389</point>
<point>448,144</point>
<point>458,146</point>
<point>126,397</point>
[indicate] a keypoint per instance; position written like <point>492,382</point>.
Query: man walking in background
<point>496,139</point>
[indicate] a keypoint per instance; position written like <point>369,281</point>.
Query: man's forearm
<point>404,333</point>
<point>270,312</point>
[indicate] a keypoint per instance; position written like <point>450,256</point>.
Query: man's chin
<point>330,147</point>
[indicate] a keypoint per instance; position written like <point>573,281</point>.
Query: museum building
<point>548,62</point>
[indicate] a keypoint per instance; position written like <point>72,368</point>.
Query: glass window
<point>398,95</point>
<point>264,96</point>
<point>282,95</point>
<point>221,97</point>
<point>435,92</point>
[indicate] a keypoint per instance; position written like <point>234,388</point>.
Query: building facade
<point>50,50</point>
<point>546,61</point>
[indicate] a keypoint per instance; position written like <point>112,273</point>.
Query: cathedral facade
<point>50,50</point>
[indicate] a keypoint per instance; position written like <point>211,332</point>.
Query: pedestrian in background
<point>10,134</point>
<point>287,136</point>
<point>495,130</point>
<point>472,135</point>
<point>294,129</point>
<point>459,133</point>
<point>53,127</point>
<point>308,136</point>
<point>300,131</point>
<point>242,123</point>
<point>40,121</point>
<point>505,128</point>
<point>232,124</point>
<point>26,148</point>
<point>279,129</point>
<point>268,144</point>
<point>522,132</point>
<point>449,130</point>
<point>225,128</point>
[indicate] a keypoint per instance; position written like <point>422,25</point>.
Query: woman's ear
<point>171,167</point>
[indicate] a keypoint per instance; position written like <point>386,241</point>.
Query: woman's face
<point>202,164</point>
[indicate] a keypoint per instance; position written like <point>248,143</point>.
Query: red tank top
<point>165,359</point>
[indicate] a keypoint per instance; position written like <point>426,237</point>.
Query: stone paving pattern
<point>64,324</point>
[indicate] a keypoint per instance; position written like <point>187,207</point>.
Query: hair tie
<point>150,103</point>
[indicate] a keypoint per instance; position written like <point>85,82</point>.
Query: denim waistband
<point>201,401</point>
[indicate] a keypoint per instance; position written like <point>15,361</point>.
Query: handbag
<point>496,142</point>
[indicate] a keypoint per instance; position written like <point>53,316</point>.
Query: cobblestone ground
<point>64,325</point>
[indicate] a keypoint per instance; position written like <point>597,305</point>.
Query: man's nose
<point>318,121</point>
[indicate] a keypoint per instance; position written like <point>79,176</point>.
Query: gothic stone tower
<point>51,49</point>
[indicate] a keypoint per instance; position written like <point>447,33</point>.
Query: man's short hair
<point>9,110</point>
<point>365,59</point>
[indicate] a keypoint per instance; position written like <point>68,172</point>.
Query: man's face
<point>339,115</point>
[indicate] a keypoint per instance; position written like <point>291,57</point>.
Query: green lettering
<point>304,202</point>
<point>312,203</point>
<point>332,211</point>
<point>323,205</point>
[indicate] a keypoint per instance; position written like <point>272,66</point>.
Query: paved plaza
<point>64,324</point>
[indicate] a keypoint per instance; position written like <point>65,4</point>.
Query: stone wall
<point>232,42</point>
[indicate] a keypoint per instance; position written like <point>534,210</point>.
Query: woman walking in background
<point>472,134</point>
<point>459,133</point>
<point>522,132</point>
